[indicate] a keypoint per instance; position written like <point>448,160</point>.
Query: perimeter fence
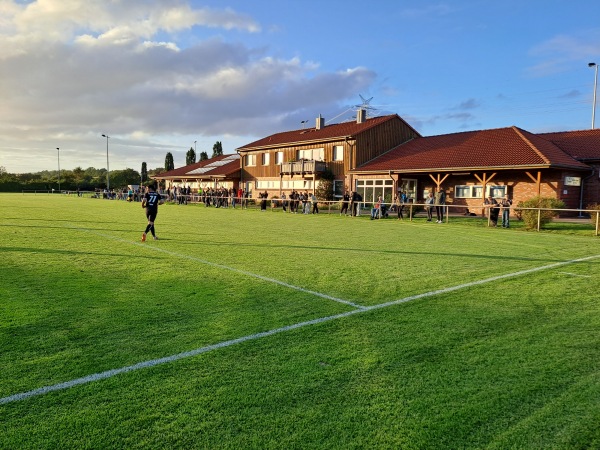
<point>536,217</point>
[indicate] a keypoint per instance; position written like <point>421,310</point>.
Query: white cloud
<point>563,52</point>
<point>80,68</point>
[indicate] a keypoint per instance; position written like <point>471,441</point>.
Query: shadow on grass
<point>67,252</point>
<point>74,222</point>
<point>262,246</point>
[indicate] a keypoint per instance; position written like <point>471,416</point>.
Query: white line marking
<point>221,266</point>
<point>485,280</point>
<point>576,274</point>
<point>167,359</point>
<point>198,351</point>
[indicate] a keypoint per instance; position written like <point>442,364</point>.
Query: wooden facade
<point>279,164</point>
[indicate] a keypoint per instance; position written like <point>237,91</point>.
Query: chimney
<point>320,122</point>
<point>361,115</point>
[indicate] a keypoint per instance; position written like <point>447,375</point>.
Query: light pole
<point>107,169</point>
<point>58,151</point>
<point>595,85</point>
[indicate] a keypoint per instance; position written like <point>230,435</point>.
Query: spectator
<point>494,209</point>
<point>440,202</point>
<point>315,203</point>
<point>399,202</point>
<point>506,203</point>
<point>376,210</point>
<point>345,200</point>
<point>429,201</point>
<point>263,201</point>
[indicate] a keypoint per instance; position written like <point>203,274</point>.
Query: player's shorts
<point>151,214</point>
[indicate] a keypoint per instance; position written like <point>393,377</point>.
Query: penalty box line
<point>222,266</point>
<point>198,351</point>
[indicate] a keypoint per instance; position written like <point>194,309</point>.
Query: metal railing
<point>303,166</point>
<point>410,210</point>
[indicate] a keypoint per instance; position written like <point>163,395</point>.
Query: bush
<point>594,207</point>
<point>530,217</point>
<point>325,189</point>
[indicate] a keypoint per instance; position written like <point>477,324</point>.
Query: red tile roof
<point>582,145</point>
<point>219,166</point>
<point>327,133</point>
<point>490,149</point>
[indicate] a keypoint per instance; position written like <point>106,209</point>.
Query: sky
<point>160,76</point>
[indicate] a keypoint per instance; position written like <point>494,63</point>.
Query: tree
<point>169,164</point>
<point>217,149</point>
<point>325,189</point>
<point>203,156</point>
<point>78,175</point>
<point>144,174</point>
<point>190,157</point>
<point>122,178</point>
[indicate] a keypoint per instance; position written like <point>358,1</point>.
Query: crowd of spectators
<point>307,203</point>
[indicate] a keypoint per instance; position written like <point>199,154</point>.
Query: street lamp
<point>595,85</point>
<point>58,151</point>
<point>107,169</point>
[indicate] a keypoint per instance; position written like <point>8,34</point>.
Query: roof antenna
<point>365,105</point>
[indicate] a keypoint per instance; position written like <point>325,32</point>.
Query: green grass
<point>512,363</point>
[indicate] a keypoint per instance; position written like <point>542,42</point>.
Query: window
<point>467,191</point>
<point>462,191</point>
<point>250,160</point>
<point>267,184</point>
<point>496,191</point>
<point>296,184</point>
<point>317,154</point>
<point>371,189</point>
<point>265,157</point>
<point>409,187</point>
<point>278,158</point>
<point>470,191</point>
<point>338,152</point>
<point>338,188</point>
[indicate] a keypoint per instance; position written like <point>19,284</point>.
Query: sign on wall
<point>572,181</point>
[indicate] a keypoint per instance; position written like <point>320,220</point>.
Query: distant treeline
<point>70,180</point>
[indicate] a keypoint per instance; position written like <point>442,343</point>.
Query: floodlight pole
<point>107,169</point>
<point>58,151</point>
<point>595,88</point>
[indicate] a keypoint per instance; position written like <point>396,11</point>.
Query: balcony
<point>302,167</point>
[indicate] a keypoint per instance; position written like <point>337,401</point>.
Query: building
<point>469,166</point>
<point>220,171</point>
<point>298,159</point>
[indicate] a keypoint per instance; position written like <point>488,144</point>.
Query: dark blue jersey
<point>152,200</point>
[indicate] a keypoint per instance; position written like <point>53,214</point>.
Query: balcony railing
<point>303,166</point>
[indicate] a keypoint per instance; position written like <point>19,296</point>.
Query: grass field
<point>242,329</point>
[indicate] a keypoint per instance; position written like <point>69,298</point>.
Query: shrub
<point>325,189</point>
<point>530,217</point>
<point>594,207</point>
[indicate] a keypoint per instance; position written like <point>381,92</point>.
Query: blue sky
<point>157,75</point>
